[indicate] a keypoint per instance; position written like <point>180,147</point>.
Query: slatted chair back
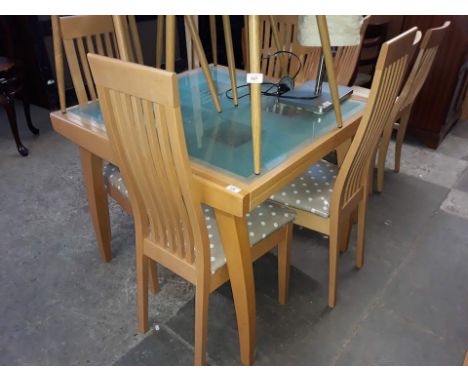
<point>423,64</point>
<point>413,84</point>
<point>141,110</point>
<point>390,70</point>
<point>92,34</point>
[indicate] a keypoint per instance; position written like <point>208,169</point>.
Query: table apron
<point>213,191</point>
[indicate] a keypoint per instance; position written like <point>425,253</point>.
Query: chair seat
<point>264,220</point>
<point>113,178</point>
<point>312,190</point>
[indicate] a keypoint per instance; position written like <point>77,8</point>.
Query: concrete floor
<point>60,305</point>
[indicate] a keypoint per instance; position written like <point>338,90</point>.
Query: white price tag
<point>254,78</point>
<point>233,188</point>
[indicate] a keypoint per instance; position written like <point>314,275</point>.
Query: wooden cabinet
<point>439,104</point>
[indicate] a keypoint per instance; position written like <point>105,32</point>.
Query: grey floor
<point>60,305</point>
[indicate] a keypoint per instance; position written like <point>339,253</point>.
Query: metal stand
<point>320,75</point>
<point>316,95</point>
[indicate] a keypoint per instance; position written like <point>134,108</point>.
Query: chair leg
<point>347,227</point>
<point>401,137</point>
<point>383,149</point>
<point>370,179</point>
<point>9,106</point>
<point>361,233</point>
<point>398,145</point>
<point>284,266</point>
<point>201,322</point>
<point>27,113</point>
<point>91,165</point>
<point>142,286</point>
<point>153,277</point>
<point>333,257</point>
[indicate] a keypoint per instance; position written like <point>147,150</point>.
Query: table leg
<point>91,165</point>
<point>169,58</point>
<point>255,91</point>
<point>214,40</point>
<point>230,57</point>
<point>234,236</point>
<point>203,61</point>
<point>159,40</point>
<point>121,35</point>
<point>246,39</point>
<point>27,113</point>
<point>9,106</point>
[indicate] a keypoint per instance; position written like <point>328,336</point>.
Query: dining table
<point>221,154</point>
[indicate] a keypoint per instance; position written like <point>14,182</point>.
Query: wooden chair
<point>82,25</point>
<point>415,81</point>
<point>93,34</point>
<point>325,196</point>
<point>83,34</point>
<point>141,110</point>
<point>284,37</point>
<point>80,35</point>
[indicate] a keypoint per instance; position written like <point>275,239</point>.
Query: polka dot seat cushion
<point>312,190</point>
<point>113,177</point>
<point>267,218</point>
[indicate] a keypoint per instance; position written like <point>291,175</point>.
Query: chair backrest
<point>390,70</point>
<point>423,64</point>
<point>83,34</point>
<point>346,57</point>
<point>141,110</point>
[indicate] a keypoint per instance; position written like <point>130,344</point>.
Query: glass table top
<point>224,140</point>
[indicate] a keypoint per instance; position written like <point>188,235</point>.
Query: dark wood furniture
<point>26,39</point>
<point>11,85</point>
<point>439,104</point>
<point>376,34</point>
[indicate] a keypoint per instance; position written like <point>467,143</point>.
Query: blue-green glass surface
<point>91,112</point>
<point>224,140</point>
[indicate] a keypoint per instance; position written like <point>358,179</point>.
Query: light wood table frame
<point>230,206</point>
